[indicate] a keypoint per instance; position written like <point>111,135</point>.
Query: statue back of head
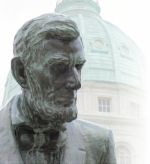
<point>30,34</point>
<point>47,64</point>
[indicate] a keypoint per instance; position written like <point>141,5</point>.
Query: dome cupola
<point>86,5</point>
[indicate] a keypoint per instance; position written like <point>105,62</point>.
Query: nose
<point>73,79</point>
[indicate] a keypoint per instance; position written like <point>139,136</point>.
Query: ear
<point>18,71</point>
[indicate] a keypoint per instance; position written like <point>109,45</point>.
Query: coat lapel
<point>75,150</point>
<point>9,151</point>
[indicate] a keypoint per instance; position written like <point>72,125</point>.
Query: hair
<point>44,27</point>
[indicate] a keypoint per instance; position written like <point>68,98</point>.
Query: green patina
<point>111,55</point>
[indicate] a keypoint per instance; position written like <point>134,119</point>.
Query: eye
<point>60,68</point>
<point>79,66</point>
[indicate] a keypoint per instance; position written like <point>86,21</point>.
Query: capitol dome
<point>111,55</point>
<point>111,93</point>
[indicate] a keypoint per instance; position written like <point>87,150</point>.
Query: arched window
<point>123,155</point>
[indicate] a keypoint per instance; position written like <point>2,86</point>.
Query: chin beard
<point>55,114</point>
<point>43,112</point>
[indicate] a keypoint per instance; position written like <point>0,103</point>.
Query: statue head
<point>47,65</point>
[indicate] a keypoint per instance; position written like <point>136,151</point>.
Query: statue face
<point>54,78</point>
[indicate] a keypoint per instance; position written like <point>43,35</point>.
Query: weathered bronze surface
<point>36,127</point>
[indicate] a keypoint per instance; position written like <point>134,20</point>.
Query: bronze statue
<point>37,126</point>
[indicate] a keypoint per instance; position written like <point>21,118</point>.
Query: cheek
<point>46,81</point>
<point>59,81</point>
<point>41,78</point>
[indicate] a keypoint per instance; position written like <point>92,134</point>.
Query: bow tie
<point>29,138</point>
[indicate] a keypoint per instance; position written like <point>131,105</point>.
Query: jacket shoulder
<point>98,142</point>
<point>94,130</point>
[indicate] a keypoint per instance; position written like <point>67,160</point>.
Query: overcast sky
<point>130,15</point>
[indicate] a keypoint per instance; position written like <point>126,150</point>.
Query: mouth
<point>65,99</point>
<point>68,104</point>
<point>65,102</point>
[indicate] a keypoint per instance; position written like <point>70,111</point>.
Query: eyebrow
<point>82,61</point>
<point>79,60</point>
<point>57,59</point>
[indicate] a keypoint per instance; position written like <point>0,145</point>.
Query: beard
<point>36,157</point>
<point>47,106</point>
<point>53,114</point>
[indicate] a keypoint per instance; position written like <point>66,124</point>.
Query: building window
<point>123,155</point>
<point>134,109</point>
<point>104,104</point>
<point>99,45</point>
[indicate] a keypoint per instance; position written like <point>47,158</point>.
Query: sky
<point>131,16</point>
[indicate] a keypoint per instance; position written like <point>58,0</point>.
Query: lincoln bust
<point>38,126</point>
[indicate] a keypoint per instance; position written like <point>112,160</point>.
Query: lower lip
<point>66,101</point>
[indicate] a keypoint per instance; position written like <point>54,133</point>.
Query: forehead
<point>59,45</point>
<point>53,48</point>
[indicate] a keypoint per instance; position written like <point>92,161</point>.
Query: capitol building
<point>112,87</point>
